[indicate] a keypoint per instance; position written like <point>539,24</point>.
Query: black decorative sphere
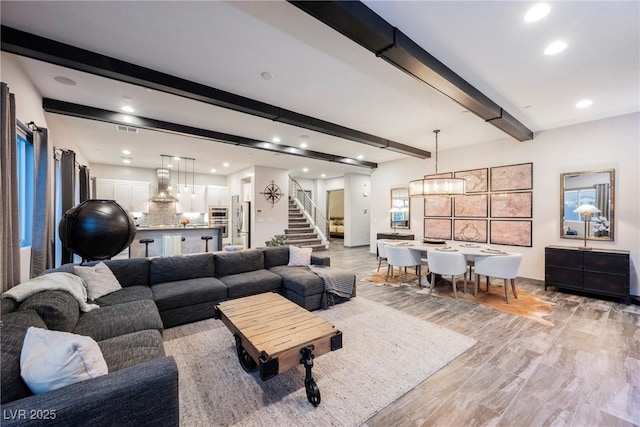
<point>97,229</point>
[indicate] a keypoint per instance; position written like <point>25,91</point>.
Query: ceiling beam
<point>51,51</point>
<point>92,113</point>
<point>362,25</point>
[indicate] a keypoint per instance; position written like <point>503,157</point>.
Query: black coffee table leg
<point>313,392</point>
<point>247,363</point>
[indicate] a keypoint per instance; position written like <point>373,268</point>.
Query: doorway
<point>335,213</point>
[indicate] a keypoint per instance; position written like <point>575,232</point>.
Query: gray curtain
<point>9,226</point>
<point>42,235</point>
<point>83,179</point>
<point>67,192</point>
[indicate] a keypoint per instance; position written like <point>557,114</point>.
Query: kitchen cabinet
<point>599,272</point>
<point>131,195</point>
<point>194,200</point>
<point>218,195</point>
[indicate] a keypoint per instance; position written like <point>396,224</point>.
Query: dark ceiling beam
<point>98,114</point>
<point>47,50</point>
<point>362,25</point>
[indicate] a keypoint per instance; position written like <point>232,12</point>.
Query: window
<point>575,198</point>
<point>25,184</point>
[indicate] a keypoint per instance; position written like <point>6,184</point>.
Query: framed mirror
<point>400,208</point>
<point>593,190</point>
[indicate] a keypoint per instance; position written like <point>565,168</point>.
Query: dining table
<point>468,249</point>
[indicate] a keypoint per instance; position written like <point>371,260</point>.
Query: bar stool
<point>206,242</point>
<point>146,246</point>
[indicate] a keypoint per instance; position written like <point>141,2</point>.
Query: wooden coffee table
<point>277,334</point>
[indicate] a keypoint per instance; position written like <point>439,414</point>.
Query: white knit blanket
<point>67,282</point>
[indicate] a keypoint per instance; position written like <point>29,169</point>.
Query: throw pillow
<point>99,279</point>
<point>299,257</point>
<point>52,359</point>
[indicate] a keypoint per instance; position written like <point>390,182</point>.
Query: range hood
<point>163,194</point>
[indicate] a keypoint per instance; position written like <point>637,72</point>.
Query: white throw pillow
<point>299,257</point>
<point>99,279</point>
<point>52,359</point>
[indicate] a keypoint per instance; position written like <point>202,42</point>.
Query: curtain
<point>602,199</point>
<point>68,192</point>
<point>84,183</point>
<point>9,226</point>
<point>42,234</point>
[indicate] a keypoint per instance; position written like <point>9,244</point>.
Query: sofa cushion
<point>228,263</point>
<point>174,268</point>
<point>59,309</point>
<point>128,294</point>
<point>253,282</point>
<point>129,272</point>
<point>14,328</point>
<point>299,257</point>
<point>132,349</point>
<point>99,279</point>
<point>300,280</point>
<point>276,255</point>
<point>184,293</point>
<point>111,321</point>
<point>52,359</point>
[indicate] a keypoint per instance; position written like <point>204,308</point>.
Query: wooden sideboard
<point>597,271</point>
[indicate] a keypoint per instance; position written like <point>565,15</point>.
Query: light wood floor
<point>584,371</point>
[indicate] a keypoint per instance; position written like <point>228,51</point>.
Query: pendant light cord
<point>436,132</point>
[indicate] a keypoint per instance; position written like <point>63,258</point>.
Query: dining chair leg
<point>388,268</point>
<point>433,282</point>
<point>488,283</point>
<point>506,290</point>
<point>477,284</point>
<point>453,283</point>
<point>513,287</point>
<point>464,276</point>
<point>379,262</point>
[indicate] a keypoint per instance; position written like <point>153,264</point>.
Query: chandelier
<point>437,186</point>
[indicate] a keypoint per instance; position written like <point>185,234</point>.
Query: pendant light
<point>428,187</point>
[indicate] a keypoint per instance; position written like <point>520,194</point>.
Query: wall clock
<point>272,193</point>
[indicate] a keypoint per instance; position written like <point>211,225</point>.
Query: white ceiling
<point>318,72</point>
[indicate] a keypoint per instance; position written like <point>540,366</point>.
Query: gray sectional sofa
<point>141,387</point>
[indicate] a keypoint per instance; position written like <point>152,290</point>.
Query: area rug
<point>526,305</point>
<point>385,354</point>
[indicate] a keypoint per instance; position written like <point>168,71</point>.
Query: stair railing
<point>309,209</point>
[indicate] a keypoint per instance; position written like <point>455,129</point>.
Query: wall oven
<point>218,213</point>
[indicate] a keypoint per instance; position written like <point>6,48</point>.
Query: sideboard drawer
<point>608,263</point>
<point>613,284</point>
<point>564,259</point>
<point>563,277</point>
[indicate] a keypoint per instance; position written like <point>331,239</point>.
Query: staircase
<point>300,233</point>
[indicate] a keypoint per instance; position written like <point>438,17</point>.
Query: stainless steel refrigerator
<point>242,222</point>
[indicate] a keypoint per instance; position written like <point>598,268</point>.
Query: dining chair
<point>382,253</point>
<point>447,264</point>
<point>403,257</point>
<point>499,266</point>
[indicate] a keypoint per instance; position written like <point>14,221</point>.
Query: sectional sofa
<point>142,384</point>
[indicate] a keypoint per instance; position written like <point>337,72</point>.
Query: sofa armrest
<point>145,394</point>
<point>321,260</point>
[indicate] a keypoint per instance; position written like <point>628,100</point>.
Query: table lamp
<point>586,210</point>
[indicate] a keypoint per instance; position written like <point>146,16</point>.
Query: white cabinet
<point>131,195</point>
<point>217,195</point>
<point>194,201</point>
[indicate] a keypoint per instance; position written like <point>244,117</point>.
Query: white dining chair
<point>447,264</point>
<point>382,253</point>
<point>500,266</point>
<point>403,257</point>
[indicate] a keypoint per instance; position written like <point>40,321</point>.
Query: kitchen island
<point>163,236</point>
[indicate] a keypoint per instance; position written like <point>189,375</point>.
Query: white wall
<point>357,207</point>
<point>603,144</point>
<point>269,219</point>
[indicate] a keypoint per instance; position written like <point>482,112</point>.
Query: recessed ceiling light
<point>305,169</point>
<point>275,139</point>
<point>584,103</point>
<point>323,175</point>
<point>213,171</point>
<point>225,164</point>
<point>127,109</point>
<point>537,12</point>
<point>176,158</point>
<point>303,145</point>
<point>360,157</point>
<point>555,47</point>
<point>169,165</point>
<point>127,119</point>
<point>65,81</point>
<point>266,75</point>
<point>126,152</point>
